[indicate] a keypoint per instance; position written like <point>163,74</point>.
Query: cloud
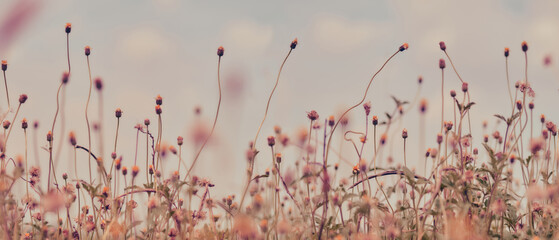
<point>248,37</point>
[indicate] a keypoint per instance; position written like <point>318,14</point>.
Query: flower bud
<point>294,43</point>
<point>87,50</point>
<point>24,123</point>
<point>22,98</point>
<point>65,77</point>
<point>158,109</point>
<point>312,115</point>
<point>68,27</point>
<point>124,170</point>
<point>220,51</point>
<point>49,136</point>
<point>135,171</point>
<point>73,138</point>
<point>6,124</point>
<point>524,46</point>
<point>99,84</point>
<point>404,133</point>
<point>159,100</point>
<point>271,141</point>
<point>118,113</point>
<point>464,87</point>
<point>375,120</point>
<point>452,93</point>
<point>4,65</point>
<point>442,45</point>
<point>146,122</point>
<point>179,140</point>
<point>403,47</point>
<point>507,52</point>
<point>442,63</point>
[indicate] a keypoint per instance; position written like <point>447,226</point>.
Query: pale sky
<point>168,47</point>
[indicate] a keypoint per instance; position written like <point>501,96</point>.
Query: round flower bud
<point>87,50</point>
<point>49,136</point>
<point>73,139</point>
<point>507,52</point>
<point>22,98</point>
<point>158,109</point>
<point>135,171</point>
<point>271,141</point>
<point>68,27</point>
<point>99,84</point>
<point>179,140</point>
<point>65,77</point>
<point>442,63</point>
<point>220,51</point>
<point>24,123</point>
<point>4,65</point>
<point>146,122</point>
<point>404,133</point>
<point>118,113</point>
<point>403,47</point>
<point>6,124</point>
<point>159,100</point>
<point>524,46</point>
<point>294,43</point>
<point>442,45</point>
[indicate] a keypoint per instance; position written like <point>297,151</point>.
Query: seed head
<point>404,133</point>
<point>73,138</point>
<point>220,51</point>
<point>65,77</point>
<point>312,115</point>
<point>442,45</point>
<point>507,52</point>
<point>22,98</point>
<point>442,63</point>
<point>68,27</point>
<point>524,46</point>
<point>118,113</point>
<point>4,65</point>
<point>87,50</point>
<point>403,47</point>
<point>158,109</point>
<point>24,123</point>
<point>294,43</point>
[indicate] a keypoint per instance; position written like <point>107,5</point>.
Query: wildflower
<point>404,133</point>
<point>220,51</point>
<point>362,165</point>
<point>524,46</point>
<point>367,107</point>
<point>49,136</point>
<point>4,65</point>
<point>179,140</point>
<point>118,163</point>
<point>278,157</point>
<point>124,170</point>
<point>403,47</point>
<point>24,123</point>
<point>153,202</point>
<point>312,115</point>
<point>293,43</point>
<point>98,84</point>
<point>135,170</point>
<point>22,98</point>
<point>271,141</point>
<point>158,109</point>
<point>383,139</point>
<point>420,79</point>
<point>65,77</point>
<point>375,120</point>
<point>442,45</point>
<point>464,87</point>
<point>519,105</point>
<point>68,27</point>
<point>531,105</point>
<point>452,93</point>
<point>536,144</point>
<point>159,100</point>
<point>118,113</point>
<point>87,50</point>
<point>507,51</point>
<point>355,170</point>
<point>146,122</point>
<point>6,124</point>
<point>331,121</point>
<point>439,138</point>
<point>423,105</point>
<point>442,64</point>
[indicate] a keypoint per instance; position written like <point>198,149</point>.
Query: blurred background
<point>144,48</point>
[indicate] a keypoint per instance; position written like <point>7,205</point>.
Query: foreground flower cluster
<point>499,185</point>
